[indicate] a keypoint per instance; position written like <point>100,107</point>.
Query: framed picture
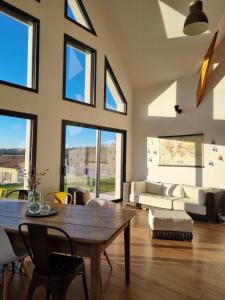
<point>181,150</point>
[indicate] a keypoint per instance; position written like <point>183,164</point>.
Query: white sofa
<point>201,203</point>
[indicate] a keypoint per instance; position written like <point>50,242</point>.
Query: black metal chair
<point>52,270</point>
<point>21,194</point>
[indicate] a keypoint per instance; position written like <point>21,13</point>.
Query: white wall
<point>154,116</point>
<point>48,103</point>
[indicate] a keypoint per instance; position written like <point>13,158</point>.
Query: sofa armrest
<point>215,200</point>
<point>138,187</point>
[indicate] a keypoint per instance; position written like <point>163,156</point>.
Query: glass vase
<point>34,202</point>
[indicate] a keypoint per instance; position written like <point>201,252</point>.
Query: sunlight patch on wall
<point>213,175</point>
<point>173,21</point>
<point>215,65</point>
<point>163,105</point>
<point>219,100</point>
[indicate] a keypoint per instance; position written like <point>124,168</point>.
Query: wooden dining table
<point>92,230</point>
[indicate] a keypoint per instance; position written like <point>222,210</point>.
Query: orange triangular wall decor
<point>204,71</point>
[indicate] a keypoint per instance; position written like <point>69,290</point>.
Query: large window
<point>17,148</point>
<point>114,98</point>
<point>93,159</point>
<point>19,48</point>
<point>76,12</point>
<point>79,72</point>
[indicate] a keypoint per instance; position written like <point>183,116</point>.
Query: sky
<point>12,132</point>
<point>13,50</point>
<point>86,137</point>
<point>75,74</point>
<point>70,13</point>
<point>110,101</point>
<point>13,69</point>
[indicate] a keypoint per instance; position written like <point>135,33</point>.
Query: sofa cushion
<point>156,200</point>
<point>138,187</point>
<point>175,190</point>
<point>189,205</point>
<point>197,194</point>
<point>178,191</point>
<point>154,187</point>
<point>97,202</point>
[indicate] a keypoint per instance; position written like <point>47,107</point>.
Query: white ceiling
<point>150,40</point>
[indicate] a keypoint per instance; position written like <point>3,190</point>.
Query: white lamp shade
<point>197,21</point>
<point>196,28</point>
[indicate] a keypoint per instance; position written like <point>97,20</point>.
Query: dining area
<point>60,246</point>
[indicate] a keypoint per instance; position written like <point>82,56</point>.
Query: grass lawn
<point>106,184</point>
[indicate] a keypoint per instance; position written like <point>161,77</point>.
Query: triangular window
<point>76,12</point>
<point>114,98</point>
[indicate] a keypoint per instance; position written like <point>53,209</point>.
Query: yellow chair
<point>3,193</point>
<point>58,197</point>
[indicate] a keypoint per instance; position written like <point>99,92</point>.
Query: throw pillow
<point>154,187</point>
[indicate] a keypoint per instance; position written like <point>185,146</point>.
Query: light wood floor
<point>160,269</point>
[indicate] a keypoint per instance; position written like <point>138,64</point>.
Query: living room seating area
<point>201,203</point>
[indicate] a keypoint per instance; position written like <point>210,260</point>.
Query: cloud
<point>79,97</point>
<point>73,130</point>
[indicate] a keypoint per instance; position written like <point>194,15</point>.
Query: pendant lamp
<point>197,21</point>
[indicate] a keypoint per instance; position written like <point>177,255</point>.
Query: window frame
<point>83,47</point>
<point>83,9</point>
<point>100,128</point>
<point>33,136</point>
<point>23,16</point>
<point>109,69</point>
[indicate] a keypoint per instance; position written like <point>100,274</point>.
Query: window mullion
<point>98,143</point>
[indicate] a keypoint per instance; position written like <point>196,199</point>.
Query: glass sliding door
<point>110,165</point>
<point>92,159</point>
<point>80,158</point>
<point>17,149</point>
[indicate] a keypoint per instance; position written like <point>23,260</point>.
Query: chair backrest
<point>58,197</point>
<point>21,194</point>
<point>50,197</point>
<point>7,254</point>
<point>63,197</point>
<point>39,251</point>
<point>3,192</point>
<point>79,196</point>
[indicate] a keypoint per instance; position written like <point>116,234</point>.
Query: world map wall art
<point>181,150</point>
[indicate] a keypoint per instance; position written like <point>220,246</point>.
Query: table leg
<point>5,282</point>
<point>95,273</point>
<point>127,252</point>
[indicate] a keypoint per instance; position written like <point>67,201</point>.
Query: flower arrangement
<point>34,197</point>
<point>34,178</point>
